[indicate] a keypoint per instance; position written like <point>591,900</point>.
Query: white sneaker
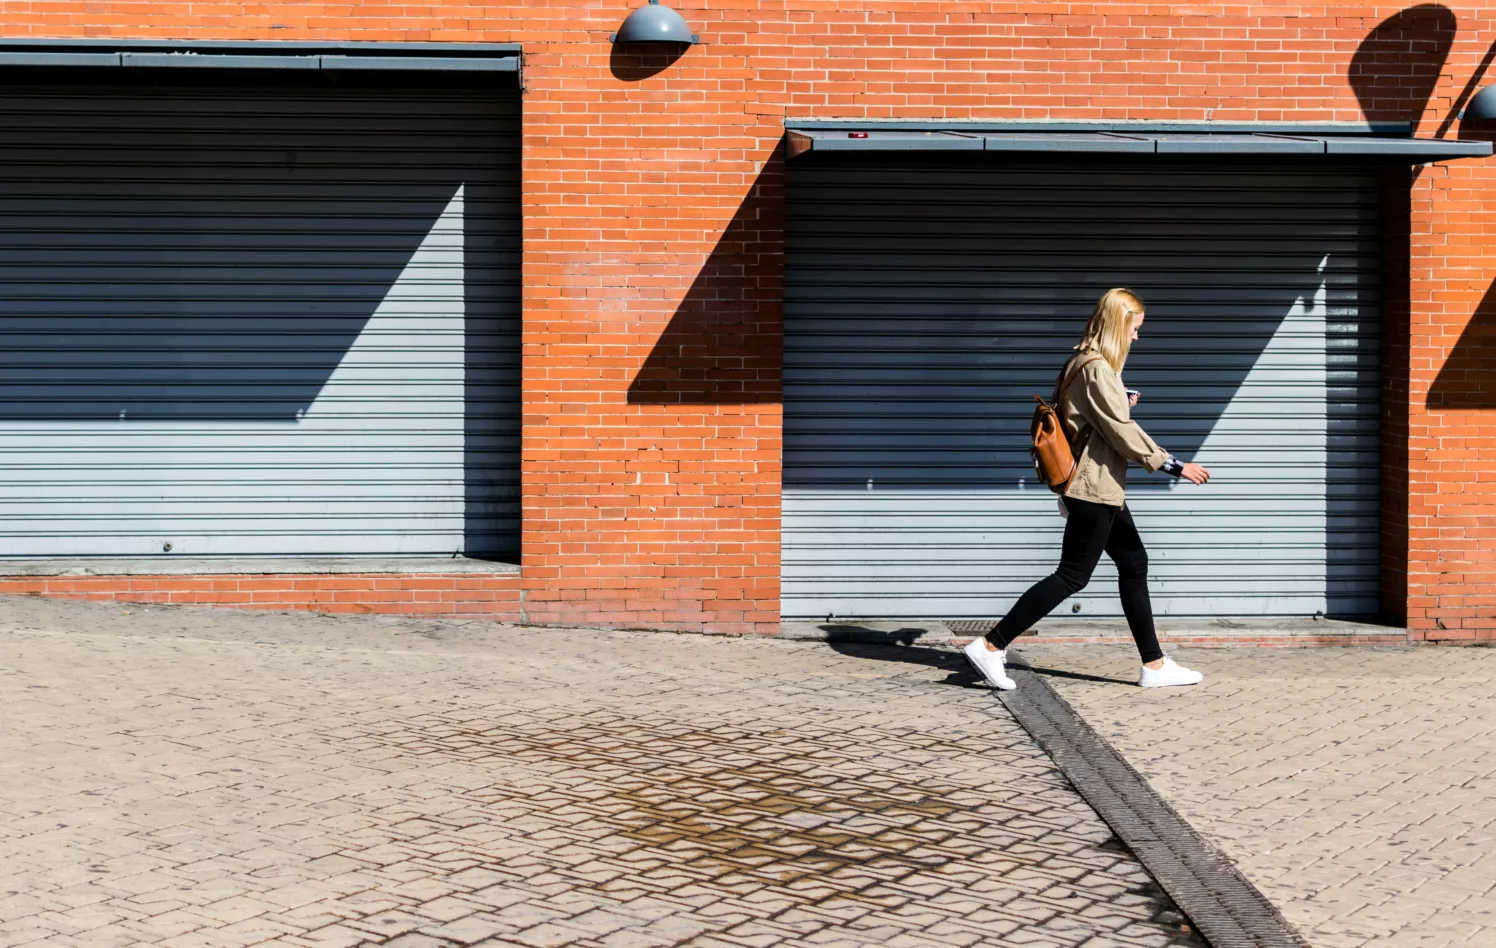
<point>1171,673</point>
<point>989,664</point>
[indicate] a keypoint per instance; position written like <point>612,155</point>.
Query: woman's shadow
<point>961,674</point>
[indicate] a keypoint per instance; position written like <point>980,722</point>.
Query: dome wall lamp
<point>655,23</point>
<point>1481,107</point>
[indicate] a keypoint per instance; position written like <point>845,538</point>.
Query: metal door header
<point>1350,141</point>
<point>219,54</point>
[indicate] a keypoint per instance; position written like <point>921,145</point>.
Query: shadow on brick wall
<point>1468,378</point>
<point>724,344</point>
<point>1397,66</point>
<point>635,62</point>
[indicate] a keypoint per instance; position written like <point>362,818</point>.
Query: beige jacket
<point>1096,403</point>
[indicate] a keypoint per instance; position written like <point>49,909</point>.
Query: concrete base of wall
<point>436,586</point>
<point>442,586</point>
<point>1198,633</point>
<point>167,565</point>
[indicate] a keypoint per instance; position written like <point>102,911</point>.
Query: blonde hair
<point>1110,330</point>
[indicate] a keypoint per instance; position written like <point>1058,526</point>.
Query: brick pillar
<point>1452,414</point>
<point>652,341</point>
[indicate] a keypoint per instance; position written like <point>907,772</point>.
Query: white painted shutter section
<point>927,302</point>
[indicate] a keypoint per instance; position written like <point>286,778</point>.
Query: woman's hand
<point>1195,474</point>
<point>1132,400</point>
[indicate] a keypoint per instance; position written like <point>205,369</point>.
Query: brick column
<point>1452,411</point>
<point>652,342</point>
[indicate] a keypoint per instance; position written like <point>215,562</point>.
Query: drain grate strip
<point>1226,909</point>
<point>971,626</point>
<point>975,626</point>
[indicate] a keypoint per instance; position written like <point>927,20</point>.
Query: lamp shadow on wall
<point>1468,378</point>
<point>635,62</point>
<point>724,343</point>
<point>1394,74</point>
<point>1397,66</point>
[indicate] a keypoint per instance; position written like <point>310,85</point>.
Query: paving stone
<point>417,940</point>
<point>1353,786</point>
<point>212,779</point>
<point>333,936</point>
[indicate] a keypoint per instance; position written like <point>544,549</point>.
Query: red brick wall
<point>653,253</point>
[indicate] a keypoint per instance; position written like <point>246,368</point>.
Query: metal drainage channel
<point>1222,906</point>
<point>971,626</point>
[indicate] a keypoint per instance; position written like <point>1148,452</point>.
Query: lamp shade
<point>1481,107</point>
<point>655,23</point>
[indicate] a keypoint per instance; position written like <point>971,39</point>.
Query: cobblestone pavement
<point>1355,787</point>
<point>187,777</point>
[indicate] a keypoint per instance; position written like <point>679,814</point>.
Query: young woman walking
<point>1096,412</point>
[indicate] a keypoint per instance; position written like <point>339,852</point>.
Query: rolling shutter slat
<point>926,302</point>
<point>248,322</point>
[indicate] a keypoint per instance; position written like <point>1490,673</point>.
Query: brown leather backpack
<point>1054,458</point>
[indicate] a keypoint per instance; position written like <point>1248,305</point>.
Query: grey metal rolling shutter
<point>258,320</point>
<point>927,302</point>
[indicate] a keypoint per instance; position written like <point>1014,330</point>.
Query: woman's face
<point>1137,323</point>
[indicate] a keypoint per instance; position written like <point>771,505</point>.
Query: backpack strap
<point>1060,389</point>
<point>1082,438</point>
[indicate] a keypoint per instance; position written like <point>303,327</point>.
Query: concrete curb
<point>1222,905</point>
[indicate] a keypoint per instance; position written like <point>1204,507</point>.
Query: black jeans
<point>1091,529</point>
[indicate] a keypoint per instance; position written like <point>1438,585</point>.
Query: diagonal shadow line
<point>1458,105</point>
<point>191,294</point>
<point>831,442</point>
<point>1467,379</point>
<point>724,342</point>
